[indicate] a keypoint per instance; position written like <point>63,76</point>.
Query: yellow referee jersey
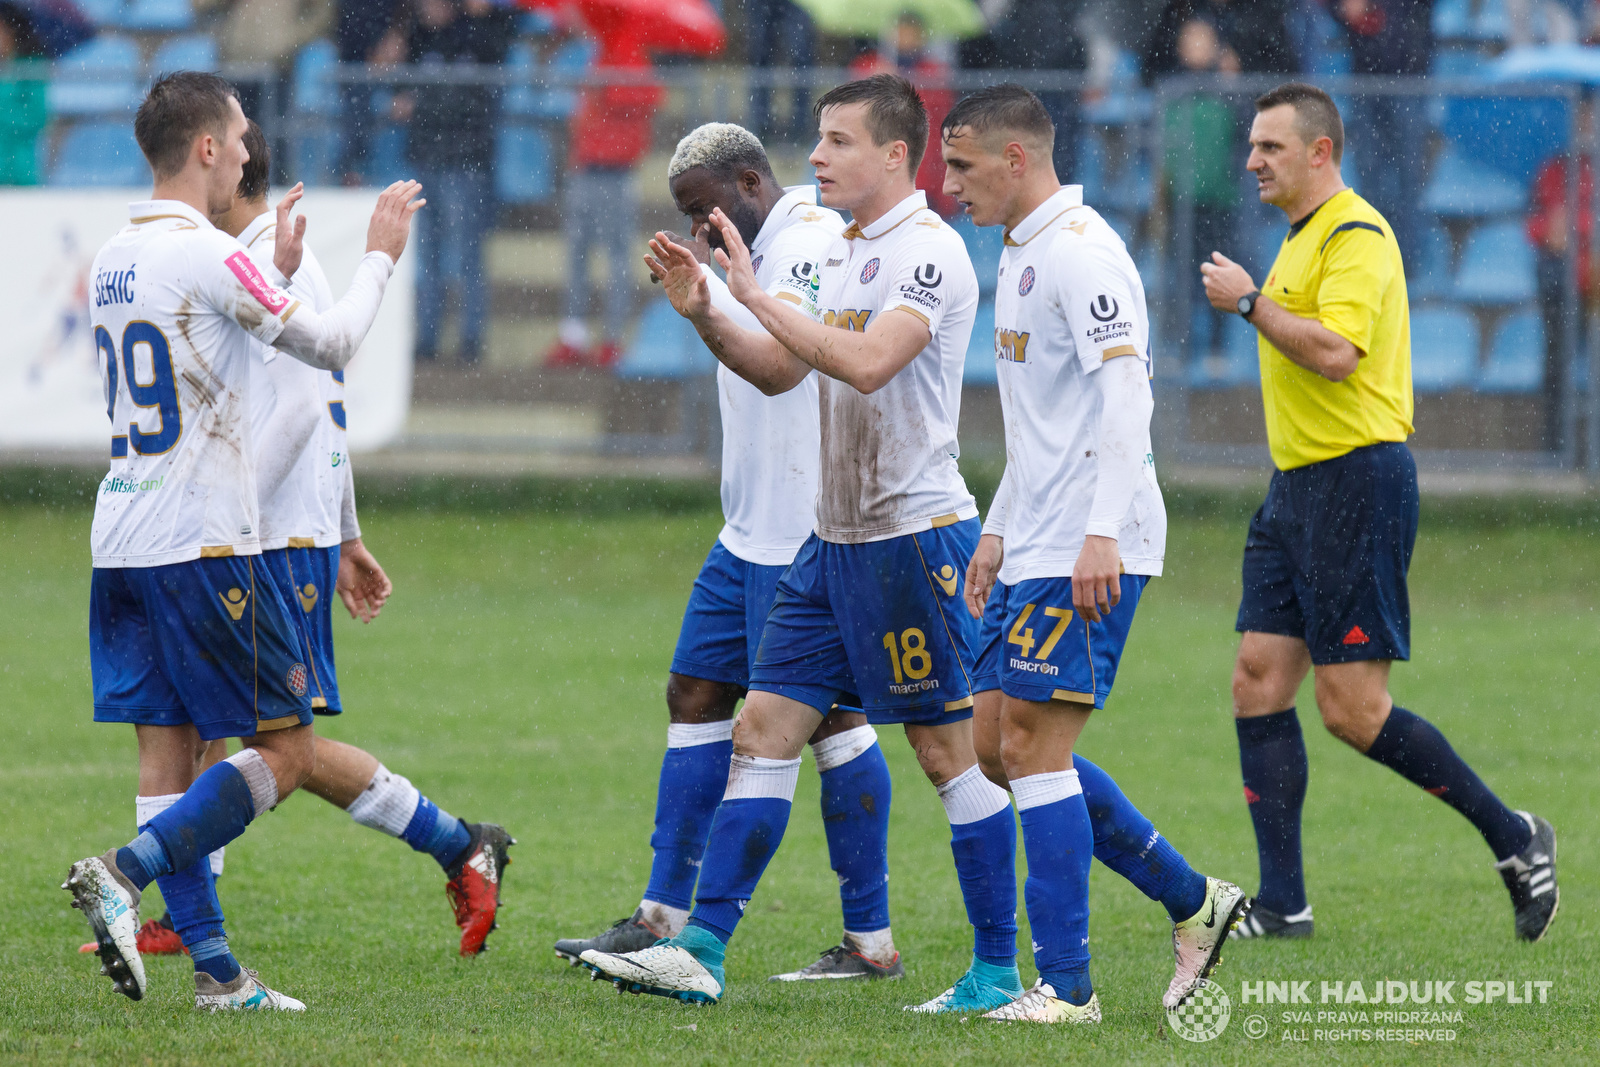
<point>1341,266</point>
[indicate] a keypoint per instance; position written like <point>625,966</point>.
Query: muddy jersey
<point>297,422</point>
<point>178,308</point>
<point>1069,299</point>
<point>889,457</point>
<point>769,443</point>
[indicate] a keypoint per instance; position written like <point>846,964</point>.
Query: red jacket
<point>1549,211</point>
<point>612,124</point>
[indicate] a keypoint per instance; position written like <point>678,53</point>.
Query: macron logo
<point>252,280</point>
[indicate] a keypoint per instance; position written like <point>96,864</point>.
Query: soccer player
<point>1326,557</point>
<point>311,545</point>
<point>870,605</point>
<point>189,641</point>
<point>1077,530</point>
<point>769,488</point>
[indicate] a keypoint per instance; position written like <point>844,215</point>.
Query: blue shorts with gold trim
<point>883,620</point>
<point>209,642</point>
<point>305,577</point>
<point>1033,646</point>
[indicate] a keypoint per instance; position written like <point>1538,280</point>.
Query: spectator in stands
<point>370,32</point>
<point>23,107</point>
<point>917,63</point>
<point>1390,37</point>
<point>1550,231</point>
<point>610,134</point>
<point>452,146</point>
<point>1036,35</point>
<point>779,34</point>
<point>1255,31</point>
<point>270,32</point>
<point>1201,165</point>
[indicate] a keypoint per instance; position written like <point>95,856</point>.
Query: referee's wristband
<point>1247,304</point>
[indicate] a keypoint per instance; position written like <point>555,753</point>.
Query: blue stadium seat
<point>1433,274</point>
<point>1493,22</point>
<point>99,76</point>
<point>1513,134</point>
<point>665,347</point>
<point>99,153</point>
<point>1516,356</point>
<point>1458,62</point>
<point>1444,349</point>
<point>101,12</point>
<point>1452,19</point>
<point>386,156</point>
<point>149,16</point>
<point>1239,362</point>
<point>195,51</point>
<point>315,91</point>
<point>523,171</point>
<point>984,245</point>
<point>980,367</point>
<point>1467,189</point>
<point>1497,266</point>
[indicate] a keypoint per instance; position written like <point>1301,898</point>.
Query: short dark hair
<point>894,111</point>
<point>1001,108</point>
<point>257,176</point>
<point>179,108</point>
<point>1316,115</point>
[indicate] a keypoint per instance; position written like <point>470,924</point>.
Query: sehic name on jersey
<point>113,287</point>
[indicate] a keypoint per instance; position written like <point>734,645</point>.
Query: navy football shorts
<point>883,620</point>
<point>305,577</point>
<point>722,623</point>
<point>1034,646</point>
<point>1327,553</point>
<point>209,642</point>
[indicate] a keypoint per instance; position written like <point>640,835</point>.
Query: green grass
<point>518,676</point>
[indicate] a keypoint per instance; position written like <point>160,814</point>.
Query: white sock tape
<point>1047,788</point>
<point>843,747</point>
<point>216,861</point>
<point>970,797</point>
<point>387,803</point>
<point>690,734</point>
<point>147,808</point>
<point>755,777</point>
<point>258,776</point>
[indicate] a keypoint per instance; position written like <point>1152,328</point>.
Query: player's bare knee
<point>696,700</point>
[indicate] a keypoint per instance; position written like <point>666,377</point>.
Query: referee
<point>1326,556</point>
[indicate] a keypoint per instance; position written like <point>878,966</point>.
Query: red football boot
<point>155,938</point>
<point>474,885</point>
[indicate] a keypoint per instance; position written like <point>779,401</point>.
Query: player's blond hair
<point>721,147</point>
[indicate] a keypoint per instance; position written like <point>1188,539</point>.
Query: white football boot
<point>663,970</point>
<point>1041,1005</point>
<point>247,992</point>
<point>1197,941</point>
<point>111,904</point>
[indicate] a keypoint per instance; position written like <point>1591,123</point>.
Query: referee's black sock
<point>1272,757</point>
<point>1413,747</point>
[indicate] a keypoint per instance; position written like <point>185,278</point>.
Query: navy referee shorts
<point>1327,554</point>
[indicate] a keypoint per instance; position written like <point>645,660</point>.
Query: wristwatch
<point>1247,304</point>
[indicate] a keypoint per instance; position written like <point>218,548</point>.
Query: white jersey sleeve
<point>924,278</point>
<point>329,340</point>
<point>1103,301</point>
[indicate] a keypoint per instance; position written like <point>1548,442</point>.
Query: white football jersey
<point>889,458</point>
<point>177,308</point>
<point>1069,299</point>
<point>297,420</point>
<point>770,443</point>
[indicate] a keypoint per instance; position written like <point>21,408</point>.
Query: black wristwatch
<point>1247,304</point>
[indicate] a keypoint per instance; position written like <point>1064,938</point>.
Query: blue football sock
<point>855,816</point>
<point>1060,846</point>
<point>436,832</point>
<point>1272,758</point>
<point>213,956</point>
<point>1414,748</point>
<point>1126,842</point>
<point>213,811</point>
<point>1002,975</point>
<point>745,834</point>
<point>693,778</point>
<point>986,864</point>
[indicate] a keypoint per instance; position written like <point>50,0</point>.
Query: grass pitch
<point>518,676</point>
